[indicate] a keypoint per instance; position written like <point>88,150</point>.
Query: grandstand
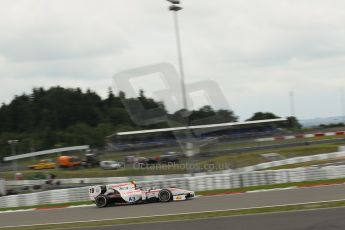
<point>139,141</point>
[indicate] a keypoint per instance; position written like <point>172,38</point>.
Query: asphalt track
<point>200,204</point>
<point>324,219</point>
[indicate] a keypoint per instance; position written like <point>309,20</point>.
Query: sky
<point>257,52</point>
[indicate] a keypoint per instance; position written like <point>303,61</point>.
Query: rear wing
<point>94,191</point>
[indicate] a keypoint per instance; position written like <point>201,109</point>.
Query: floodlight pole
<point>190,146</point>
<point>175,8</point>
<point>13,144</point>
<point>342,103</point>
<point>292,104</point>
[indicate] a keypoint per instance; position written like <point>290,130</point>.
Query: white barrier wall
<point>46,197</point>
<point>198,183</point>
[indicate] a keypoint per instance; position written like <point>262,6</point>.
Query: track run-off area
<point>322,219</point>
<point>199,204</point>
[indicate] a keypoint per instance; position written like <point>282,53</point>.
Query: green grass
<point>306,164</point>
<point>254,157</point>
<point>253,143</point>
<point>236,160</point>
<point>308,150</point>
<point>95,172</point>
<point>47,206</point>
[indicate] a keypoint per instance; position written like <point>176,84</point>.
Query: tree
<point>207,115</point>
<point>66,116</point>
<point>262,116</point>
<point>224,116</point>
<point>291,123</point>
<point>112,101</point>
<point>204,112</point>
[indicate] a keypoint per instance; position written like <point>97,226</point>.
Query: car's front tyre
<point>102,201</point>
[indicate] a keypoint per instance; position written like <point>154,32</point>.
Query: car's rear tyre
<point>165,195</point>
<point>101,201</point>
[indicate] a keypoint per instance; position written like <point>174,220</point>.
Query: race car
<point>43,164</point>
<point>130,193</point>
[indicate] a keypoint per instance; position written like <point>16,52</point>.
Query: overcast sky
<point>257,51</point>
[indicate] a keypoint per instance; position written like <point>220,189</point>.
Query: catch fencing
<point>196,183</point>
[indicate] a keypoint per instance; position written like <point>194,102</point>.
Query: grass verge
<point>94,172</point>
<point>307,164</point>
<point>48,206</point>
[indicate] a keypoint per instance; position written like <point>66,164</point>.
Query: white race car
<point>129,193</point>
